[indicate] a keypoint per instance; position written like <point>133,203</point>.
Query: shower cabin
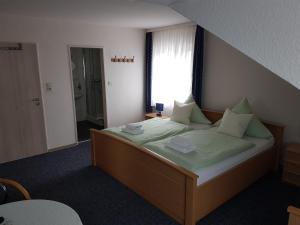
<point>89,89</point>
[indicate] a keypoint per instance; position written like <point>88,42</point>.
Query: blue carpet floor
<point>67,176</point>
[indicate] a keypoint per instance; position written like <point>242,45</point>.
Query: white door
<point>22,131</point>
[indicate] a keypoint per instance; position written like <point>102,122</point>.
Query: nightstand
<point>153,115</point>
<point>291,165</point>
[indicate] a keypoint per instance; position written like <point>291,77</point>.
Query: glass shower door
<point>93,73</point>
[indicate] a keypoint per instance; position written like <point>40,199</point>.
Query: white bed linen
<point>197,126</point>
<point>208,173</point>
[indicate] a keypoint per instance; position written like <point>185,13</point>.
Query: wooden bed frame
<point>172,188</point>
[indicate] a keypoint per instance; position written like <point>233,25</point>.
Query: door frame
<point>42,95</point>
<point>69,46</point>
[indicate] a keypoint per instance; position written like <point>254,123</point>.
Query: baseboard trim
<point>87,140</point>
<point>62,147</point>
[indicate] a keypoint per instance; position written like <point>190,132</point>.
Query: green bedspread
<point>154,129</point>
<point>212,147</point>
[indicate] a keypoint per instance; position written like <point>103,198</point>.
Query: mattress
<point>208,173</point>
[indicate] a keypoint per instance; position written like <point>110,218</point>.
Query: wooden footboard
<point>217,191</point>
<point>164,184</point>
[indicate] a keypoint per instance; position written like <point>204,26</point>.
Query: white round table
<point>38,212</point>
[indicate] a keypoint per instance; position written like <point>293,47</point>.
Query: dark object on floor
<point>83,129</point>
<point>62,175</point>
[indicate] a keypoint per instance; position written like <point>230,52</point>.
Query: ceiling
<point>124,13</point>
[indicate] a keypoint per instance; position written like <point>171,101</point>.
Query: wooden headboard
<point>276,129</point>
<point>213,116</point>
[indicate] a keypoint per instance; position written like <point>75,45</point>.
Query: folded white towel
<point>181,144</point>
<point>181,141</point>
<point>130,131</point>
<point>181,149</point>
<point>134,126</point>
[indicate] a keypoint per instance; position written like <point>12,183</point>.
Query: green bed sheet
<point>154,129</point>
<point>212,147</point>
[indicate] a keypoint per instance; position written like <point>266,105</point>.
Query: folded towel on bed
<point>181,149</point>
<point>134,126</point>
<point>181,144</point>
<point>132,131</point>
<point>181,141</point>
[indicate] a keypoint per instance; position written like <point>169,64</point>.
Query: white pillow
<point>234,124</point>
<point>197,115</point>
<point>182,112</point>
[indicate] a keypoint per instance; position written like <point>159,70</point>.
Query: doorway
<point>22,128</point>
<point>87,66</point>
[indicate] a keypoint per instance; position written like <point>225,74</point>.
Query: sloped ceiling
<point>124,13</point>
<point>268,31</point>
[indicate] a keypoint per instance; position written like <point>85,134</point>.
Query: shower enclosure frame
<point>103,82</point>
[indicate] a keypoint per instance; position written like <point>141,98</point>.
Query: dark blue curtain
<point>198,65</point>
<point>148,70</point>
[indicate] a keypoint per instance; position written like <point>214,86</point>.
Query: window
<point>172,64</point>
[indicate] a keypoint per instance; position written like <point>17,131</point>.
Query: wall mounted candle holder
<point>122,59</point>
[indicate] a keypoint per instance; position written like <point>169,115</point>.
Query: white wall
<point>266,30</point>
<point>125,92</point>
<point>229,75</point>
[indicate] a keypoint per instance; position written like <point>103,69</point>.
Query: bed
<point>181,193</point>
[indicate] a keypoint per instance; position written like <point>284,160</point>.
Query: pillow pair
<point>255,128</point>
<point>188,112</point>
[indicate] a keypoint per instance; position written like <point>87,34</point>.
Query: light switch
<point>48,86</point>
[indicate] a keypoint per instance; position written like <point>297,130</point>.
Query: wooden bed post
<point>92,135</point>
<point>190,201</point>
<point>294,218</point>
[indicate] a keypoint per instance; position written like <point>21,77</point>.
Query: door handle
<point>36,101</point>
